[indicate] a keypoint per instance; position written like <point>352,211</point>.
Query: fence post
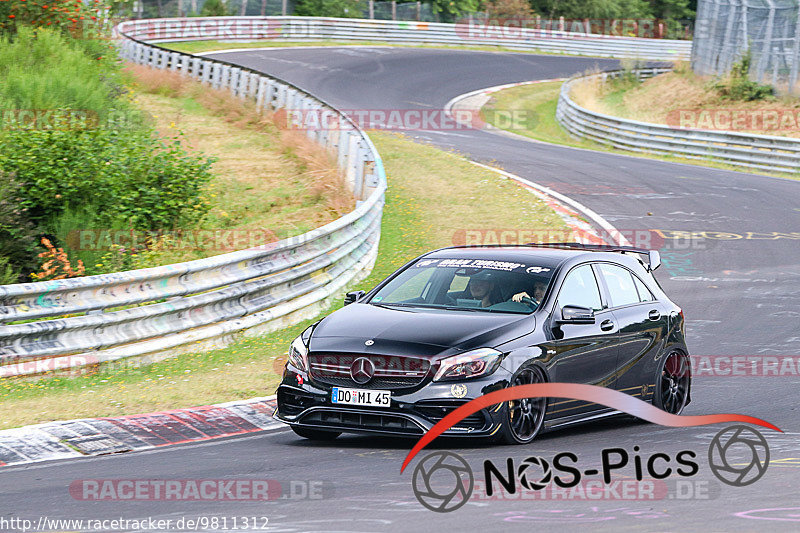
<point>795,54</point>
<point>764,59</point>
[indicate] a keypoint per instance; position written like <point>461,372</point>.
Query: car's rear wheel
<point>316,434</point>
<point>672,383</point>
<point>523,417</point>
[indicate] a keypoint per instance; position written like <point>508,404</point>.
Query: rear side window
<point>621,287</point>
<point>644,293</point>
<point>580,288</point>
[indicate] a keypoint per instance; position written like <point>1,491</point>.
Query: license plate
<point>372,398</point>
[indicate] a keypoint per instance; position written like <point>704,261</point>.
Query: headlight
<point>480,362</point>
<point>297,354</point>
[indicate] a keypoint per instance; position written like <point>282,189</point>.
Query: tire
<point>672,383</point>
<point>523,419</point>
<point>316,434</point>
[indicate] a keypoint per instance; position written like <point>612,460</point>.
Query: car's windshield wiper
<point>451,308</point>
<point>426,306</point>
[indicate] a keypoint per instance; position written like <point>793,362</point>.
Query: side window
<point>644,293</point>
<point>620,285</point>
<point>580,288</point>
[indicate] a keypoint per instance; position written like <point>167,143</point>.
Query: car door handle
<point>606,325</point>
<point>654,314</point>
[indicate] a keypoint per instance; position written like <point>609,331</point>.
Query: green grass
<point>432,195</point>
<point>541,100</point>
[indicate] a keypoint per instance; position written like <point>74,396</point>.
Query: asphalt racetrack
<point>739,289</point>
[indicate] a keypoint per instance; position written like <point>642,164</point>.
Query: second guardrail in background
<point>312,29</point>
<point>751,151</point>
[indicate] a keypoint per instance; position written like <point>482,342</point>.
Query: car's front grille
<point>346,418</point>
<point>388,372</point>
<point>435,410</point>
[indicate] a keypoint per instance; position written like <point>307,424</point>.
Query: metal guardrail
<point>405,32</point>
<point>155,312</point>
<point>203,303</point>
<point>752,151</point>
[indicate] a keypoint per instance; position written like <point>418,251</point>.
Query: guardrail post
<point>186,65</point>
<point>261,95</point>
<point>281,94</point>
<point>342,146</point>
<point>209,68</point>
<point>307,106</point>
<point>226,77</point>
<point>217,74</point>
<point>351,165</point>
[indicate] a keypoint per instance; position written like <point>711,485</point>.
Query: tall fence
<point>751,151</point>
<point>770,29</point>
<point>155,312</point>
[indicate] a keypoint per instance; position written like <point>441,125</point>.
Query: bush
<point>508,9</point>
<point>7,273</point>
<point>85,20</point>
<point>738,85</point>
<point>214,8</point>
<point>329,8</point>
<point>129,177</point>
<point>43,71</point>
<point>18,235</point>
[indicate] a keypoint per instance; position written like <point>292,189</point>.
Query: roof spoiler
<point>653,257</point>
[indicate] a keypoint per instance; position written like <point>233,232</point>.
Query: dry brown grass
<point>660,99</point>
<point>266,177</point>
<point>588,93</point>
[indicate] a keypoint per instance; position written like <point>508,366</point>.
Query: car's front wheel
<point>316,434</point>
<point>672,383</point>
<point>524,417</point>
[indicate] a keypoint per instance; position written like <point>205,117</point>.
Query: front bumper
<point>411,413</point>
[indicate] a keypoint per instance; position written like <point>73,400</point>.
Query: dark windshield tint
<point>469,285</point>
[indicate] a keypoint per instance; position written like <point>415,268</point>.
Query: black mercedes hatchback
<point>458,323</point>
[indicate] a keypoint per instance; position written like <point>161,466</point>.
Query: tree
<point>592,9</point>
<point>214,8</point>
<point>329,8</point>
<point>449,10</point>
<point>672,9</point>
<point>505,9</point>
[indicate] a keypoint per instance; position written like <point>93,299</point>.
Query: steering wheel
<point>530,301</point>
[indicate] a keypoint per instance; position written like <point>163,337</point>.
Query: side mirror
<point>352,297</point>
<point>575,314</point>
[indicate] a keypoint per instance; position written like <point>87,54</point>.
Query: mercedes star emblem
<point>362,370</point>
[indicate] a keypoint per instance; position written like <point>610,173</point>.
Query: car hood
<point>414,331</point>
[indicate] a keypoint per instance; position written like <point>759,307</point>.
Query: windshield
<point>467,285</point>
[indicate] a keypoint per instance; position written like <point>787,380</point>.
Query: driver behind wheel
<point>538,294</point>
<point>483,286</point>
